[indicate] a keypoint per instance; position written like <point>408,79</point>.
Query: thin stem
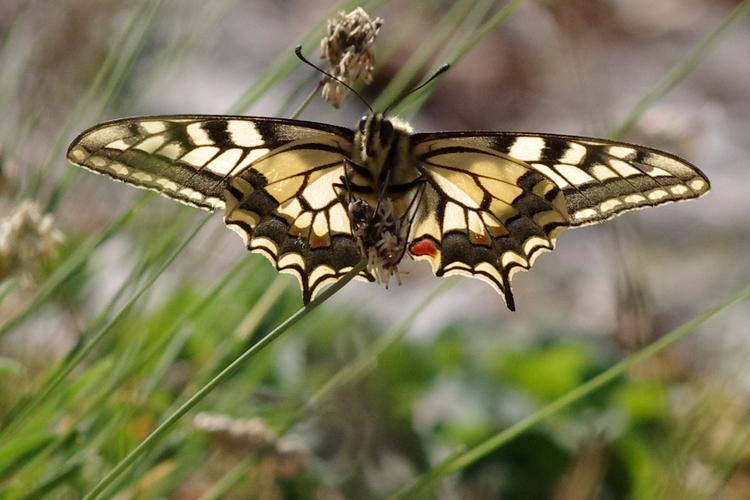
<point>145,14</point>
<point>683,68</point>
<point>307,101</point>
<point>486,29</point>
<point>71,265</point>
<point>462,459</point>
<point>152,438</point>
<point>359,367</point>
<point>62,372</point>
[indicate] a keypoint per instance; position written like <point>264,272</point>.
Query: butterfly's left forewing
<point>274,178</point>
<point>494,201</point>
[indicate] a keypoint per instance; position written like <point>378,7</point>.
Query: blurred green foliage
<point>340,406</point>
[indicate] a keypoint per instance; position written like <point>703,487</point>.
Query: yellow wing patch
<point>495,201</point>
<point>274,178</point>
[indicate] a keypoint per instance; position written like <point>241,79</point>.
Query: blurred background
<point>115,307</point>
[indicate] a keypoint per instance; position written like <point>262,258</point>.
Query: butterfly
<point>316,199</point>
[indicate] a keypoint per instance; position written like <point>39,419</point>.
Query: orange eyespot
<point>423,247</point>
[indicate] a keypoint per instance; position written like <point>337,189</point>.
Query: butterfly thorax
<point>381,146</point>
<point>379,179</point>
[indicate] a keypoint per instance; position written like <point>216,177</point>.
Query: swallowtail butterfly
<point>316,199</point>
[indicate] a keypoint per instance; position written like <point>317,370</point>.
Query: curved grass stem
<point>462,459</point>
<point>230,369</point>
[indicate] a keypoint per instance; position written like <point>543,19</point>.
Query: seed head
<point>27,239</point>
<point>349,49</point>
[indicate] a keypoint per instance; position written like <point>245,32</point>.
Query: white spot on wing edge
<point>198,135</point>
<point>153,126</point>
<point>678,189</point>
<point>527,148</point>
<point>291,259</point>
<point>622,152</point>
<point>657,194</point>
<point>635,199</point>
<point>142,176</point>
<point>167,184</point>
<point>586,213</point>
<point>574,154</point>
<point>119,169</point>
<point>533,243</point>
<point>513,257</point>
<point>191,194</point>
<point>261,242</point>
<point>245,216</point>
<point>78,153</point>
<point>98,161</point>
<point>320,272</point>
<point>609,205</point>
<point>244,133</point>
<point>698,185</point>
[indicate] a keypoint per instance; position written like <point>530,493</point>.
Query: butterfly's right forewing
<point>274,178</point>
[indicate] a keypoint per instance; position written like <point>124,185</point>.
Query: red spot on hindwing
<point>425,246</point>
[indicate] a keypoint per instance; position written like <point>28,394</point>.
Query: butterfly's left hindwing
<point>274,178</point>
<point>483,214</point>
<point>494,201</point>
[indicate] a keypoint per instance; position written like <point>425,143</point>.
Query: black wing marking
<point>495,201</point>
<point>273,177</point>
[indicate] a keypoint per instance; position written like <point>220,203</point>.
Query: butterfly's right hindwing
<point>274,178</point>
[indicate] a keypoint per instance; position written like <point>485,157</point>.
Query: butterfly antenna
<point>298,53</point>
<point>442,69</point>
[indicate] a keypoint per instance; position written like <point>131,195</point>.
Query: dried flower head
<point>247,435</point>
<point>348,48</point>
<point>27,238</point>
<point>282,457</point>
<point>291,457</point>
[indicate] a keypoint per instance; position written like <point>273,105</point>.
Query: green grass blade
<point>141,20</point>
<point>682,69</point>
<point>225,484</point>
<point>486,29</point>
<point>170,352</point>
<point>6,287</point>
<point>22,450</point>
<point>359,367</point>
<point>286,63</point>
<point>66,473</point>
<point>71,265</point>
<point>442,32</point>
<point>60,374</point>
<point>162,429</point>
<point>460,460</point>
<point>415,101</point>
